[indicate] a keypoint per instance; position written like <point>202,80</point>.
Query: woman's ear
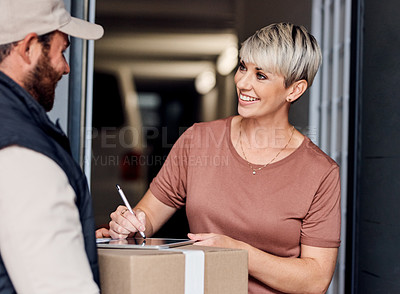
<point>27,47</point>
<point>296,90</point>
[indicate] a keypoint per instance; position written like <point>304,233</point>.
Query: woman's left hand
<point>102,233</point>
<point>215,240</point>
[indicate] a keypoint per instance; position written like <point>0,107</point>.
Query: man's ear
<point>26,47</point>
<point>296,90</point>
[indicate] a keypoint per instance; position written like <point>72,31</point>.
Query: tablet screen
<point>140,243</point>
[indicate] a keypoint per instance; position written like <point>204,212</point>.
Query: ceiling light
<point>205,82</point>
<point>227,60</point>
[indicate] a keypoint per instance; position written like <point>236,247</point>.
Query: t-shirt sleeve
<point>321,226</point>
<point>170,184</point>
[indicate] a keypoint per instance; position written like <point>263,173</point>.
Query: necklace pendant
<point>254,172</point>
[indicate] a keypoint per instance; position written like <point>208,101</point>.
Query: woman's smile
<point>244,99</point>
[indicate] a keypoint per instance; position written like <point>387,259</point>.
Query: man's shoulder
<point>14,152</point>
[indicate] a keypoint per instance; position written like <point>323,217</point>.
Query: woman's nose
<point>243,81</point>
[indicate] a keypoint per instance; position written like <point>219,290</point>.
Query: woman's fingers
<point>102,233</point>
<point>123,222</point>
<point>139,221</point>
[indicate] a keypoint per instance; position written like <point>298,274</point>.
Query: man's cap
<point>18,18</point>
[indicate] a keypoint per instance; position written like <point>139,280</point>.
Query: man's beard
<point>41,82</point>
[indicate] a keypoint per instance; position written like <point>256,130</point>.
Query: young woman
<point>253,181</point>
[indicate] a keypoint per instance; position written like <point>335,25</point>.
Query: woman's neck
<point>264,133</point>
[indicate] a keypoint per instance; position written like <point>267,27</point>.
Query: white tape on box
<point>194,270</point>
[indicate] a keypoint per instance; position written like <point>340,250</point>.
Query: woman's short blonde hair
<point>285,49</point>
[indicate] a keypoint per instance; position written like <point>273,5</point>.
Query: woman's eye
<point>261,76</point>
<point>242,66</point>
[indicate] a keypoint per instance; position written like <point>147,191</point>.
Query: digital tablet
<point>140,243</point>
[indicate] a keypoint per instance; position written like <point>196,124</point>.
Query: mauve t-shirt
<point>290,202</point>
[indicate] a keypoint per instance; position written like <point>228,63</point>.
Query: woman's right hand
<point>124,224</point>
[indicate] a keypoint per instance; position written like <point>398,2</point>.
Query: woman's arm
<point>150,212</point>
<point>310,273</point>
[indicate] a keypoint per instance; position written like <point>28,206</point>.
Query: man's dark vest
<point>24,122</point>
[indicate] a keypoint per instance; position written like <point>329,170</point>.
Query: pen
<point>121,193</point>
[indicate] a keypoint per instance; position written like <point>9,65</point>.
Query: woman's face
<point>260,93</point>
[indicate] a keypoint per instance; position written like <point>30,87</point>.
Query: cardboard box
<point>163,272</point>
